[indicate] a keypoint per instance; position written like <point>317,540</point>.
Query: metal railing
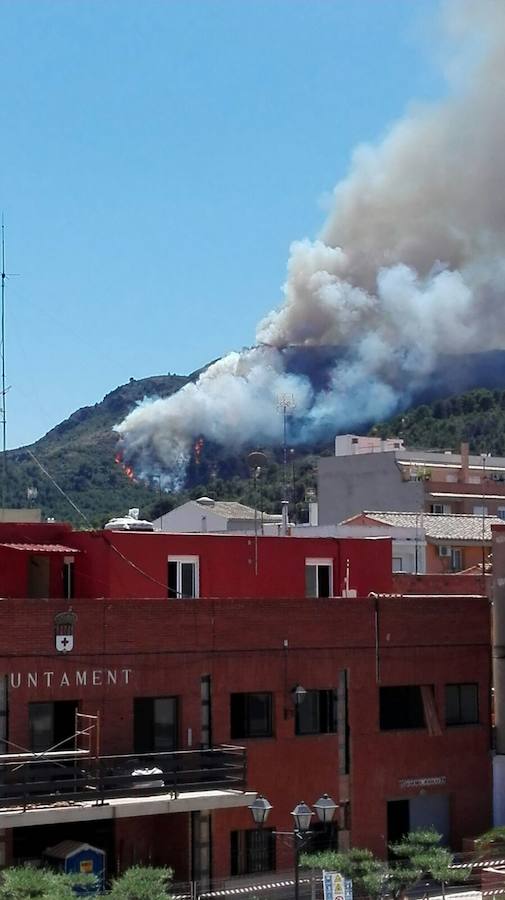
<point>42,781</point>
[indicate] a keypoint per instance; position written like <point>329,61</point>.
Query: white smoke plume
<point>409,266</point>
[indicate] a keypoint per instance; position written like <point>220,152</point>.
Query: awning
<point>40,548</point>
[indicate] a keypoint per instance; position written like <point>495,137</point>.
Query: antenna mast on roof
<point>286,404</point>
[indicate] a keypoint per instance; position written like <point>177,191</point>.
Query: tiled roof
<point>438,527</point>
<point>232,509</point>
<point>40,548</point>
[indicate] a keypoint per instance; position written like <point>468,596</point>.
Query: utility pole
<point>286,404</point>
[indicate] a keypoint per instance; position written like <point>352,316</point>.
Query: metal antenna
<point>286,404</point>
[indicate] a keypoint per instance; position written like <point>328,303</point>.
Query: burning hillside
<point>409,268</point>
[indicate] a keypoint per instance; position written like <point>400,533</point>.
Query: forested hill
<point>79,454</point>
<point>476,416</point>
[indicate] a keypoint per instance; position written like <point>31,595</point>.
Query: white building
<point>206,514</point>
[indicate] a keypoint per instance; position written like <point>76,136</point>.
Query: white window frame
<point>396,560</point>
<point>195,560</point>
<point>320,561</point>
<point>456,552</point>
<point>444,509</point>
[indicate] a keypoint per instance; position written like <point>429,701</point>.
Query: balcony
<point>61,786</point>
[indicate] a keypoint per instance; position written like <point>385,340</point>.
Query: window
<point>317,713</point>
<point>440,508</point>
<point>155,724</point>
<point>397,564</point>
<point>461,704</point>
<point>183,579</point>
<point>500,512</point>
<point>39,570</point>
<point>205,712</point>
<point>480,511</point>
<point>252,851</point>
<point>318,578</point>
<point>251,715</point>
<point>51,724</point>
<point>456,559</point>
<point>68,577</point>
<point>401,707</point>
<point>323,837</point>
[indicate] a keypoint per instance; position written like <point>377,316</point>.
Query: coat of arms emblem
<point>64,631</point>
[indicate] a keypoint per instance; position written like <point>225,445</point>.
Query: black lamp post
<point>325,808</point>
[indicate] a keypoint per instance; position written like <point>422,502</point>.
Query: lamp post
<point>325,809</point>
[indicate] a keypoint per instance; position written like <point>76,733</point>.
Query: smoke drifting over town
<point>410,266</point>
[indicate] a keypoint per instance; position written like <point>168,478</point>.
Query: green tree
<point>419,856</point>
<point>494,839</point>
<point>40,884</point>
<point>142,883</point>
<point>368,874</point>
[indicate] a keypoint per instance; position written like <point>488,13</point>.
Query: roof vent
<point>206,501</point>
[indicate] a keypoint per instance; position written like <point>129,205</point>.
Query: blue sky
<point>157,158</point>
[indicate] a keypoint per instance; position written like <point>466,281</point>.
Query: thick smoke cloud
<point>409,266</point>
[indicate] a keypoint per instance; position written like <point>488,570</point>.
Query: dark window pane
<point>250,715</point>
<point>307,714</point>
<point>238,716</point>
<point>259,715</point>
<point>155,724</point>
<point>452,710</point>
<point>188,579</point>
<point>165,724</point>
<point>252,851</point>
<point>311,581</point>
<point>461,704</point>
<point>328,711</point>
<point>41,726</point>
<point>142,724</point>
<point>401,707</point>
<point>469,703</point>
<point>323,581</point>
<point>172,578</point>
<point>260,849</point>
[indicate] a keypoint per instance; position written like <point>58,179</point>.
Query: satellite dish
<point>256,459</point>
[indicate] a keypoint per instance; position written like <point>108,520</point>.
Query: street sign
<point>336,887</point>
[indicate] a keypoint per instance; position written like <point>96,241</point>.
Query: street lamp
<point>325,809</point>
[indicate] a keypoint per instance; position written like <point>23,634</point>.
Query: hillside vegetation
<point>79,455</point>
<point>476,416</point>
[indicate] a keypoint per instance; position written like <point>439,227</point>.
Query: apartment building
<point>389,477</point>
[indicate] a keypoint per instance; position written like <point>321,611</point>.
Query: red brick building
<point>181,643</point>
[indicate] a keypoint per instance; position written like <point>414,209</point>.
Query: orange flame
<point>127,470</point>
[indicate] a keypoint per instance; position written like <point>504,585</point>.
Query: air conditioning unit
<point>444,551</point>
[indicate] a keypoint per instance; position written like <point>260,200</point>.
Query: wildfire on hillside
<point>127,470</point>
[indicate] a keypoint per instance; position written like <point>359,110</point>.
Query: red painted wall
<point>269,646</point>
<point>132,565</point>
<point>456,584</point>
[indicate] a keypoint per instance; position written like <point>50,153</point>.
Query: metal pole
<point>296,838</point>
<point>483,520</point>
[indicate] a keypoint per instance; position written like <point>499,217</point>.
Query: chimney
<point>465,462</point>
<point>285,517</point>
<point>313,513</point>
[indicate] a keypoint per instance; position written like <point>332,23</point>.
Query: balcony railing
<point>42,781</point>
